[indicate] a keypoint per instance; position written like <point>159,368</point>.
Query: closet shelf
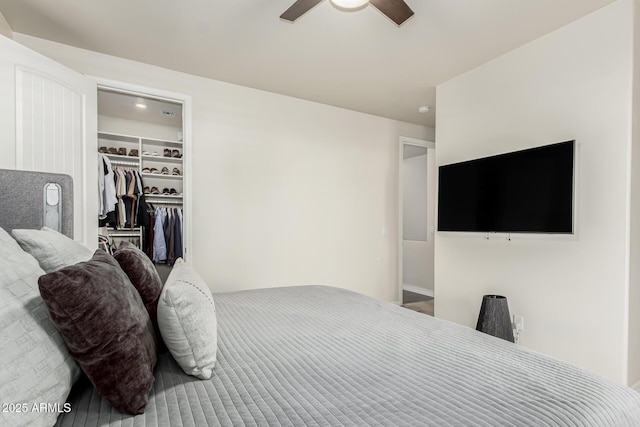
<point>161,142</point>
<point>164,196</point>
<point>160,176</point>
<point>118,137</point>
<point>121,157</point>
<point>161,159</point>
<point>137,139</point>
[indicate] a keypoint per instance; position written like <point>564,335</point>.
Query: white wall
<point>574,83</point>
<point>285,191</point>
<point>136,128</point>
<point>414,210</point>
<point>417,265</point>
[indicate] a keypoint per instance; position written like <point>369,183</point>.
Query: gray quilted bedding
<point>320,356</point>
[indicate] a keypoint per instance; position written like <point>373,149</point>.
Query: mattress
<point>321,356</point>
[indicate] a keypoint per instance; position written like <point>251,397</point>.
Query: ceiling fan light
<point>349,4</point>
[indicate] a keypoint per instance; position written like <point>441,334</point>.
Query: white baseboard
<point>636,386</point>
<point>418,290</point>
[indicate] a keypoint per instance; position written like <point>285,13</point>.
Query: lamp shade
<point>494,318</point>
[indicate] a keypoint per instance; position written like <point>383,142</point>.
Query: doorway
<point>416,220</point>
<point>146,132</point>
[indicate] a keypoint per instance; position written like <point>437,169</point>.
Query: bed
<point>317,355</point>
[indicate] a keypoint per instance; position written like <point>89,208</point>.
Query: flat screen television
<point>527,191</point>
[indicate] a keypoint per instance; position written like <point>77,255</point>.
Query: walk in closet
<point>141,149</point>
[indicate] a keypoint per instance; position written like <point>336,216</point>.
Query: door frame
<point>185,100</point>
<point>417,143</point>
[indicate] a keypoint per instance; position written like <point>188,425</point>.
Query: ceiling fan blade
<point>299,8</point>
<point>396,10</point>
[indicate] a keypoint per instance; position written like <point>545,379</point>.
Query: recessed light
<point>140,105</point>
<point>424,109</point>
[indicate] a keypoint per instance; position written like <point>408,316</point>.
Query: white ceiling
<point>356,60</point>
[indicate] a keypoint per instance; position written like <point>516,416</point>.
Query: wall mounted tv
<point>528,191</point>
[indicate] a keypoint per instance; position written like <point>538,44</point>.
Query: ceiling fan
<point>396,10</point>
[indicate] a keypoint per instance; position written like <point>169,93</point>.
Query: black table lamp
<point>494,318</point>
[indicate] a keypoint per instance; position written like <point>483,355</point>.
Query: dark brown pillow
<point>143,275</point>
<point>105,327</point>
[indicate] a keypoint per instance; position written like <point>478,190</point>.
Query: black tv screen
<point>528,191</point>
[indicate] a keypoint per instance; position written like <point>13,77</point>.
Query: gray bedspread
<point>310,356</point>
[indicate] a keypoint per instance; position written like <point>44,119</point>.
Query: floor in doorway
<point>417,302</point>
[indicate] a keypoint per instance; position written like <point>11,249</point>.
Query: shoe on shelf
<point>176,171</point>
<point>146,170</point>
<point>176,153</point>
<point>154,170</point>
<point>146,153</point>
<point>113,150</point>
<point>154,190</point>
<point>173,191</point>
<point>122,151</point>
<point>103,150</point>
<point>167,152</point>
<point>133,152</point>
<point>146,190</point>
<point>165,171</point>
<point>155,153</point>
<point>165,191</point>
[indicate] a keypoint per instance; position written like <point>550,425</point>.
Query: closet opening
<point>143,173</point>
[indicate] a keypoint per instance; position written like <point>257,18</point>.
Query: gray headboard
<point>34,199</point>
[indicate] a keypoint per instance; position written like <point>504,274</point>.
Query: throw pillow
<point>187,321</point>
<point>106,328</point>
<point>143,275</point>
<point>53,250</point>
<point>35,365</point>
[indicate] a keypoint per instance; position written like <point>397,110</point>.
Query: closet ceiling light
<point>141,105</point>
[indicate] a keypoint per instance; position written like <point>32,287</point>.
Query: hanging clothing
<point>165,234</point>
<point>106,187</point>
<point>123,190</point>
<point>178,233</point>
<point>171,250</point>
<point>159,244</point>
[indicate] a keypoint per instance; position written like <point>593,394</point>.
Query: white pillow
<point>187,321</point>
<point>35,366</point>
<point>53,250</point>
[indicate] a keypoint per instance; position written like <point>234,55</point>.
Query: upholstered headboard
<point>35,199</point>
